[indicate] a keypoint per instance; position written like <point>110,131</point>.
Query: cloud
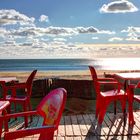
<point>61,31</point>
<point>11,16</point>
<point>90,29</point>
<point>133,33</point>
<point>106,32</point>
<point>132,29</point>
<point>60,39</point>
<point>115,39</point>
<point>44,18</point>
<point>28,32</point>
<point>55,31</point>
<point>121,6</point>
<point>27,44</point>
<point>3,32</point>
<point>133,38</point>
<point>95,38</point>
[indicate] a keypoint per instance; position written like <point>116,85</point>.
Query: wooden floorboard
<point>85,127</point>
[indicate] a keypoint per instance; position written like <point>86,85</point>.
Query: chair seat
<point>20,98</point>
<point>137,98</point>
<point>112,93</point>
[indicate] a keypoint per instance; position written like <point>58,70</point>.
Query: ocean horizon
<point>69,64</point>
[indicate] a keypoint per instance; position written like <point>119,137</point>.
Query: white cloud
<point>90,29</point>
<point>55,31</point>
<point>95,38</point>
<point>121,6</point>
<point>44,18</point>
<point>106,32</point>
<point>133,33</point>
<point>60,39</point>
<point>11,16</point>
<point>3,32</point>
<point>133,38</point>
<point>115,39</point>
<point>132,29</point>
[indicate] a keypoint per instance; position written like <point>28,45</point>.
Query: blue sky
<point>69,28</point>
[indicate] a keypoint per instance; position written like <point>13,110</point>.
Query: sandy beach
<point>78,74</point>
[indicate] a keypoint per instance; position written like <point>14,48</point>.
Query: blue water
<point>69,64</point>
<point>43,64</point>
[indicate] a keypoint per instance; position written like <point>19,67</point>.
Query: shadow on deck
<point>85,127</point>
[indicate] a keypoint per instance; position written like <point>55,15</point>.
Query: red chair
<point>103,99</point>
<point>22,99</point>
<point>50,109</point>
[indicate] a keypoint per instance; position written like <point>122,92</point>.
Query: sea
<point>69,64</point>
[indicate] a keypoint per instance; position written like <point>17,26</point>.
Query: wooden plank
<point>77,138</point>
<point>68,138</point>
<point>108,126</point>
<point>68,126</point>
<point>94,123</point>
<point>82,125</point>
<point>75,126</point>
<point>61,128</point>
<point>85,127</point>
<point>60,138</point>
<point>91,131</point>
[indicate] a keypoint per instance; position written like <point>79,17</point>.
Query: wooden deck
<point>85,127</point>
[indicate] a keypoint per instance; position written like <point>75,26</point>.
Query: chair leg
<point>97,109</point>
<point>30,108</point>
<point>1,123</point>
<point>101,115</point>
<point>15,107</point>
<point>25,118</point>
<point>123,105</point>
<point>115,104</point>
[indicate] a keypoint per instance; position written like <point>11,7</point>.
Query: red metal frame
<point>103,99</point>
<point>50,108</point>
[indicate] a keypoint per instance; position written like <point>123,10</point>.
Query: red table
<point>8,79</point>
<point>127,78</point>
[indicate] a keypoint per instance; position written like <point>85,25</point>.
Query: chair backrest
<point>52,105</point>
<point>95,80</point>
<point>29,82</point>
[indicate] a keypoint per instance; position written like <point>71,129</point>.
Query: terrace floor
<point>85,127</point>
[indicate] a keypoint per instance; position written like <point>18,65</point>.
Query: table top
<point>8,79</point>
<point>4,104</point>
<point>129,76</point>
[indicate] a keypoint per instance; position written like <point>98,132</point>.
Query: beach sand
<point>77,74</point>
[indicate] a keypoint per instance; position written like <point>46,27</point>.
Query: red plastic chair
<point>103,99</point>
<point>50,109</point>
<point>22,99</point>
